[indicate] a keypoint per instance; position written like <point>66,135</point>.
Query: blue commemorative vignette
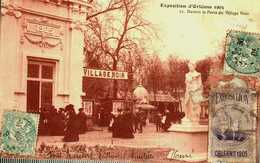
<point>19,132</point>
<point>232,126</point>
<point>242,53</point>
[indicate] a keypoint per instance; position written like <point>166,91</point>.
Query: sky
<point>196,36</point>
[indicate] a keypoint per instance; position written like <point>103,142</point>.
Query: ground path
<point>160,143</point>
<point>148,139</point>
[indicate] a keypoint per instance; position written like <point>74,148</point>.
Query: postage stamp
<point>232,126</point>
<point>242,53</point>
<point>19,132</point>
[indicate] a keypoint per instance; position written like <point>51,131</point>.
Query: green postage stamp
<point>242,53</point>
<point>232,126</point>
<point>19,133</point>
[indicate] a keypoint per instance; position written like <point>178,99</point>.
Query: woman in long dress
<point>72,127</point>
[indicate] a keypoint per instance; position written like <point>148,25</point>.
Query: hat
<point>81,109</point>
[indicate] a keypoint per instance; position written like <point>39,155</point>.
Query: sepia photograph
<point>136,81</point>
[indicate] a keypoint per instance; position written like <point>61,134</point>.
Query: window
<point>47,72</point>
<point>33,70</point>
<point>39,85</point>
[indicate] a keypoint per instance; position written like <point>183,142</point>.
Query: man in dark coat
<point>82,118</point>
<point>142,120</point>
<point>127,130</point>
<point>117,125</point>
<point>167,123</point>
<point>61,119</point>
<point>43,126</point>
<point>158,119</point>
<point>57,123</point>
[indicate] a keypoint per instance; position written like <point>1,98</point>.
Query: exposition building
<point>41,53</point>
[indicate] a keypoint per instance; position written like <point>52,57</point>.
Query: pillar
<point>76,64</point>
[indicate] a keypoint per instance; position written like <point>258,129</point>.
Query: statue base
<point>192,143</point>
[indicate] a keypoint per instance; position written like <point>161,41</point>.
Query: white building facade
<point>41,53</point>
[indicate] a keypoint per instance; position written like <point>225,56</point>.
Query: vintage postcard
<point>128,80</point>
<point>232,126</point>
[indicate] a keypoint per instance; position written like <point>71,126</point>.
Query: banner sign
<point>105,74</point>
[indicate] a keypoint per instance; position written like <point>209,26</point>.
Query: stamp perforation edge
<point>36,134</point>
<point>234,72</point>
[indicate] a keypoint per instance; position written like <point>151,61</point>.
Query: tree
<point>154,74</point>
<point>177,68</point>
<point>98,9</point>
<point>203,67</point>
<point>113,37</point>
<point>134,64</point>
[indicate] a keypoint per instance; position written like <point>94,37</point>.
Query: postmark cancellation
<point>242,53</point>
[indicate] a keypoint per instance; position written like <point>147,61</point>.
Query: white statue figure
<point>193,95</point>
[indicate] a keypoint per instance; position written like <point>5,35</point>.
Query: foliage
<point>177,68</point>
<point>154,72</point>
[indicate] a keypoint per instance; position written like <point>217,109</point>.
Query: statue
<point>193,95</point>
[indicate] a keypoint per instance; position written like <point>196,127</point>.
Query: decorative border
<point>10,10</point>
<point>41,39</point>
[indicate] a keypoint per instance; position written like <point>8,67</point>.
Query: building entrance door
<point>39,85</point>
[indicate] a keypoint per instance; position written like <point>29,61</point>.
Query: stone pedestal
<point>192,141</point>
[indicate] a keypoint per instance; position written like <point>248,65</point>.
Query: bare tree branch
<point>112,6</point>
<point>118,32</point>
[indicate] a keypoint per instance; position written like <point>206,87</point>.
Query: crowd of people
<point>123,124</point>
<point>163,121</point>
<point>62,122</point>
